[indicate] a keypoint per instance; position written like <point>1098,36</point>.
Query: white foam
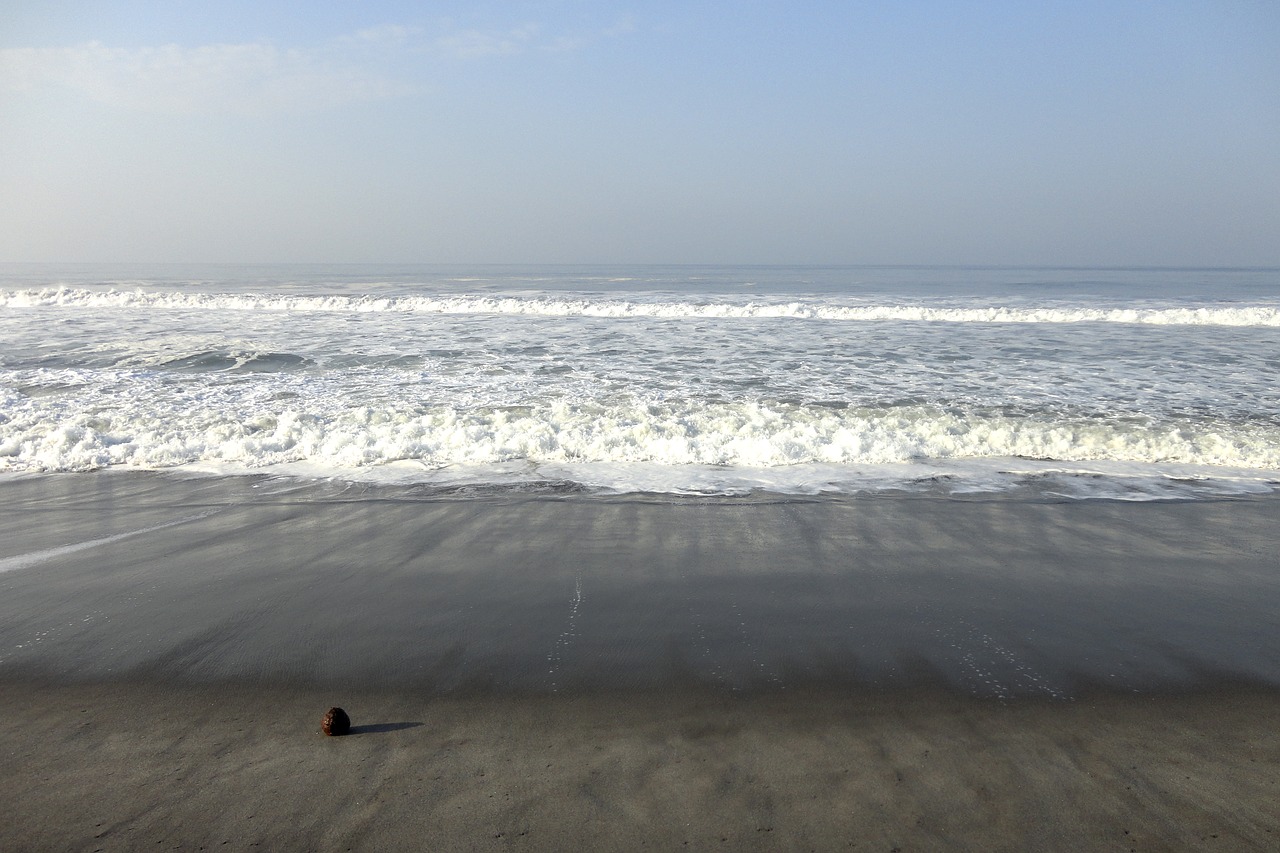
<point>604,307</point>
<point>633,444</point>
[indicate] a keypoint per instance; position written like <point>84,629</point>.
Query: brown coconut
<point>335,722</point>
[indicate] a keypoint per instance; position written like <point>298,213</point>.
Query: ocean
<point>1133,384</point>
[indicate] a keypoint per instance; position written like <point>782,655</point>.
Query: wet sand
<point>552,671</point>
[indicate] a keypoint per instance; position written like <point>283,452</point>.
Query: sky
<point>1056,133</point>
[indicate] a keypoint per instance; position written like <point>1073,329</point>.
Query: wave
<point>674,436</point>
<point>1166,315</point>
<point>235,362</point>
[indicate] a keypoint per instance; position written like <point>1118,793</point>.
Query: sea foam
<point>678,436</point>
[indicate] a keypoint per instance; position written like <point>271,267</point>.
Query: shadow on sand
<point>380,728</point>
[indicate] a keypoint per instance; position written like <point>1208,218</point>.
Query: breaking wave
<point>693,443</point>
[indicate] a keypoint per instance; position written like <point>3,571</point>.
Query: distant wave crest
<point>549,306</point>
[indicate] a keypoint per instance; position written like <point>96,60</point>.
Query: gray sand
<point>550,671</point>
<point>134,767</point>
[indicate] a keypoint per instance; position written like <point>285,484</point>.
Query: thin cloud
<point>472,44</point>
<point>475,44</point>
<point>236,78</point>
<point>389,34</point>
<point>260,77</point>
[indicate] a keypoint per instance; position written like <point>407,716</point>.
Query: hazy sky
<point>688,132</point>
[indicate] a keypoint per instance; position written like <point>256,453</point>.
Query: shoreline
<point>534,672</point>
<point>205,580</point>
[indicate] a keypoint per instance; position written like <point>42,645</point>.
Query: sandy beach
<point>553,670</point>
<point>655,426</point>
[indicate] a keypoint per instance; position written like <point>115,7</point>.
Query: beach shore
<point>558,671</point>
<point>147,766</point>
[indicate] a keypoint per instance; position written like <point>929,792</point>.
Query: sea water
<point>1119,383</point>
